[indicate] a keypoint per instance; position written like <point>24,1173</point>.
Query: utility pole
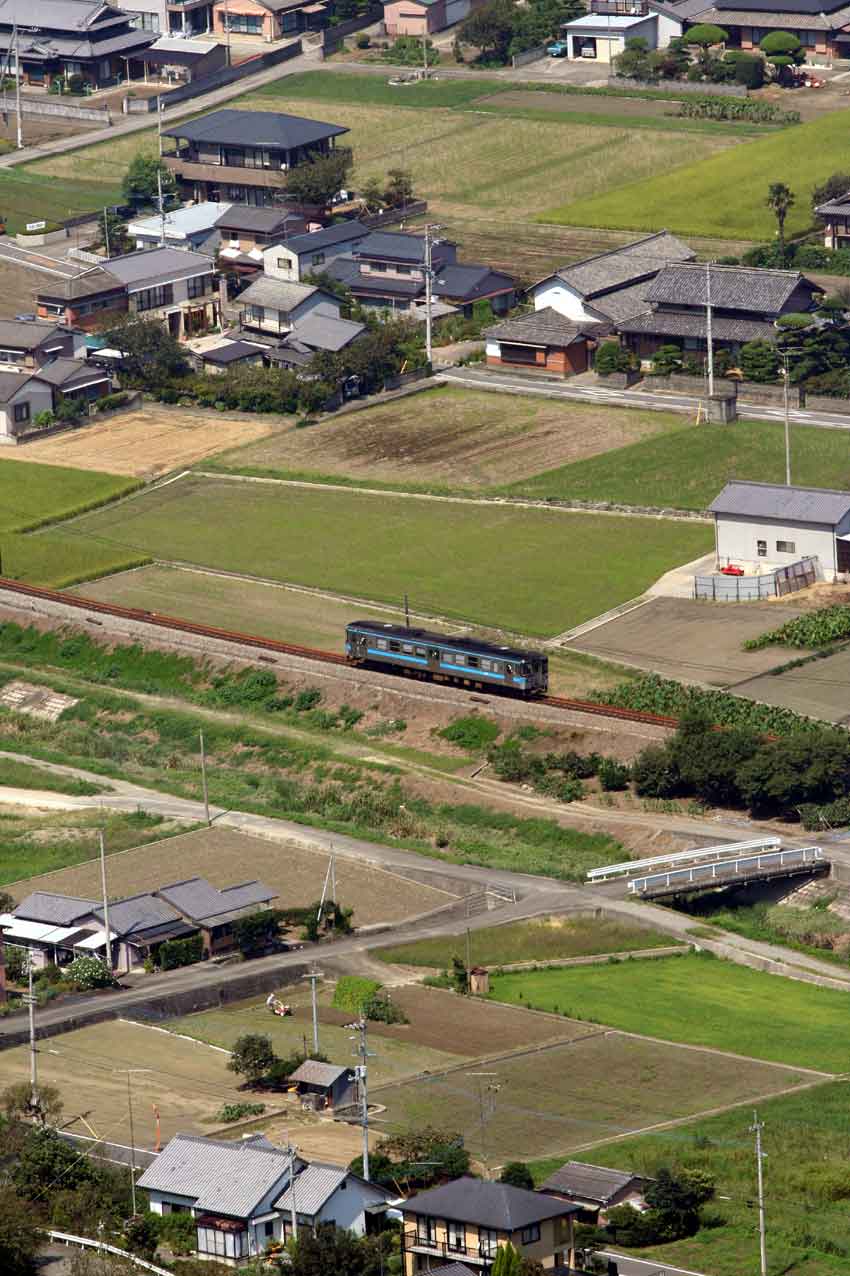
<point>204,781</point>
<point>783,354</point>
<point>106,231</point>
<point>30,1000</point>
<point>406,613</point>
<point>429,281</point>
<point>468,963</point>
<point>18,111</point>
<point>314,976</point>
<point>362,1050</point>
<point>161,206</point>
<point>485,1106</point>
<point>227,29</point>
<point>293,1212</point>
<point>425,53</point>
<point>756,1128</point>
<point>132,1144</point>
<point>106,930</point>
<point>159,122</point>
<point>708,332</point>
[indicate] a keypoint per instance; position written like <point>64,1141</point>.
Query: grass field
<point>40,842</point>
<point>22,775</point>
<point>226,857</point>
<point>701,1001</point>
<point>685,468</point>
<point>557,1100</point>
<point>447,439</point>
<point>563,568</point>
<point>537,940</point>
<point>805,1137</point>
<point>27,194</point>
<point>32,495</point>
<point>689,205</point>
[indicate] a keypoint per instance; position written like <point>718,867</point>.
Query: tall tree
<point>151,354</point>
<point>780,201</point>
<point>19,1235</point>
<point>142,180</point>
<point>517,1174</point>
<point>252,1056</point>
<point>506,1262</point>
<point>315,182</point>
<point>490,29</point>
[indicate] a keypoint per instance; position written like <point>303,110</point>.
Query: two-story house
<point>26,394</point>
<point>86,300</point>
<point>245,156</point>
<point>311,253</point>
<point>274,307</point>
<point>170,284</point>
<point>61,38</point>
<point>247,231</point>
<point>27,344</point>
<point>246,1194</point>
<point>745,304</point>
<point>468,1219</point>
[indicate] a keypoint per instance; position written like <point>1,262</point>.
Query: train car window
<point>420,651</point>
<point>434,653</point>
<point>472,661</point>
<point>486,664</point>
<point>381,643</point>
<point>395,646</point>
<point>407,646</point>
<point>459,659</point>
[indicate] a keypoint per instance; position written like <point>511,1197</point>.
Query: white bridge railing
<point>727,870</point>
<point>679,857</point>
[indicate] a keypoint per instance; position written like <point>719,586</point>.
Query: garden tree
<point>418,1158</point>
<point>88,973</point>
<point>612,357</point>
<point>672,62</point>
<point>489,29</point>
<point>676,1200</point>
<point>252,1057</point>
<point>506,1262</point>
<point>780,201</point>
<point>112,234</point>
<point>782,50</point>
<point>835,186</point>
<point>141,1236</point>
<point>372,357</point>
<point>141,182</point>
<point>833,309</point>
<point>317,181</point>
<point>151,354</point>
<point>7,903</point>
<point>706,34</point>
<point>814,351</point>
<point>16,1100</point>
<point>43,1161</point>
<point>517,1174</point>
<point>257,931</point>
<point>759,361</point>
<point>667,359</point>
<point>539,21</point>
<point>635,62</point>
<point>399,188</point>
<point>459,975</point>
<point>372,194</point>
<point>20,1238</point>
<point>745,68</point>
<point>330,1249</point>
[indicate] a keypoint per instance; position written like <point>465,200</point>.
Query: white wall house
<point>22,397</point>
<point>273,306</point>
<point>601,38</point>
<point>762,526</point>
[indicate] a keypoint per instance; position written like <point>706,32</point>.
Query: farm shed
<point>543,341</point>
<point>330,1084</point>
<point>762,526</point>
<point>595,1188</point>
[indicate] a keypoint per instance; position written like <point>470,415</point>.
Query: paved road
<point>503,384</point>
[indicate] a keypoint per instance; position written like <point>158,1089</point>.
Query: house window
<point>810,38</point>
<point>529,1235</point>
<point>488,1242</point>
<point>198,286</point>
<point>151,298</point>
<point>9,356</point>
<point>786,547</point>
<point>22,412</point>
<point>318,258</point>
<point>222,1244</point>
<point>457,1236</point>
<point>426,1230</point>
<point>145,21</point>
<point>255,314</point>
<point>242,22</point>
<point>268,1228</point>
<point>761,549</point>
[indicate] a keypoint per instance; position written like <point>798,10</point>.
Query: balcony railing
<point>421,1244</point>
<point>196,170</point>
<point>619,8</point>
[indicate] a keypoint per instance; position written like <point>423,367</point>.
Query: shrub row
<point>654,694</point>
<point>719,108</point>
<point>827,624</point>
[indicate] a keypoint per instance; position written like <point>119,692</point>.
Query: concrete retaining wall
<point>530,55</point>
<point>679,383</point>
<point>62,110</point>
<point>824,403</point>
<point>679,86</point>
<point>774,395</point>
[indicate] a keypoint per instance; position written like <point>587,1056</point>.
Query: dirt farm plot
<point>227,857</point>
<point>820,689</point>
<point>150,442</point>
<point>449,438</point>
<point>694,641</point>
<point>561,1098</point>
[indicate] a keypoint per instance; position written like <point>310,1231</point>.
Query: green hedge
<point>180,952</point>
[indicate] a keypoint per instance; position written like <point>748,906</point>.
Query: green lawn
<point>23,775</point>
<point>723,194</point>
<point>686,468</point>
<point>375,90</point>
<point>538,940</point>
<point>528,570</point>
<point>805,1136</point>
<point>47,840</point>
<point>701,1001</point>
<point>26,194</point>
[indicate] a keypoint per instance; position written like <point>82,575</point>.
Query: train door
<point>433,660</point>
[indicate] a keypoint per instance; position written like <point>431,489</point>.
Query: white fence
<point>728,871</point>
<point>745,589</point>
<point>678,857</point>
<point>86,1242</point>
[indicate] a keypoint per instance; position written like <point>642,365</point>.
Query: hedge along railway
<point>175,624</point>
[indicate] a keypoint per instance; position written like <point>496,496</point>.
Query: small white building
<point>241,1195</point>
<point>601,35</point>
<point>761,526</point>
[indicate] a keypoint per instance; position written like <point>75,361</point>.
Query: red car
<point>731,570</point>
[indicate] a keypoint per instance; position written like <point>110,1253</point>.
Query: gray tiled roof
<point>231,352</point>
<point>822,505</point>
<point>394,244</point>
<point>312,1072</point>
<point>17,334</point>
<point>277,294</point>
<point>11,382</point>
<point>264,220</point>
<point>451,1269</point>
<point>589,1182</point>
<point>778,20</point>
<point>672,323</point>
<point>622,303</point>
<point>70,373</point>
<point>61,910</point>
<point>139,913</point>
<point>326,332</point>
<point>220,1177</point>
<point>468,280</point>
<point>199,900</point>
<point>317,1182</point>
<point>340,233</point>
<point>732,287</point>
<point>489,1204</point>
<point>272,129</point>
<point>840,206</point>
<point>615,268</point>
<point>149,265</point>
<point>541,327</point>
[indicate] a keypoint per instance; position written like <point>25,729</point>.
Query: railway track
<point>176,624</point>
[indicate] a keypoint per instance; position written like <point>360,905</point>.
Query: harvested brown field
<point>449,438</point>
<point>152,441</point>
<point>226,857</point>
<point>560,1099</point>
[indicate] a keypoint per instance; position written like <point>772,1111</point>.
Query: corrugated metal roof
<point>825,506</point>
<point>589,1182</point>
<point>220,1177</point>
<point>151,264</point>
<point>313,1186</point>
